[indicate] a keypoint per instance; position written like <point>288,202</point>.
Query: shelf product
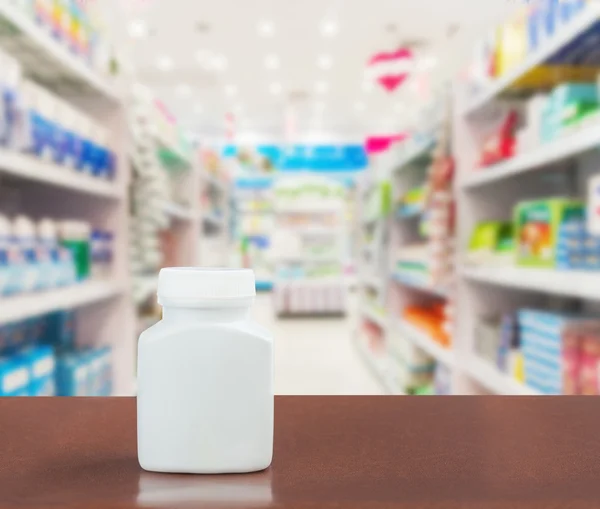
<point>309,246</point>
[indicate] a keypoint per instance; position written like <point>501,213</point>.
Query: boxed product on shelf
<point>492,243</point>
<point>561,352</point>
<point>414,369</point>
<point>430,319</point>
<point>14,377</point>
<point>84,373</point>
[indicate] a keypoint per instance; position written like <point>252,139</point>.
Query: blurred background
<point>415,184</point>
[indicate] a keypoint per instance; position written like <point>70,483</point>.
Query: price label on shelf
<point>593,206</point>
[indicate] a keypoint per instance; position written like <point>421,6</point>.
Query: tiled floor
<point>315,356</point>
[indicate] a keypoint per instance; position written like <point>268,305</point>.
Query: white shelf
<point>423,341</point>
<point>415,282</point>
<point>310,208</point>
<point>36,49</point>
<point>547,154</point>
<point>13,309</point>
<point>579,25</point>
<point>416,152</point>
<point>577,284</point>
<point>374,316</point>
<point>214,182</point>
<point>314,231</point>
<point>32,168</point>
<point>177,211</point>
<point>379,367</point>
<point>213,220</point>
<point>490,377</point>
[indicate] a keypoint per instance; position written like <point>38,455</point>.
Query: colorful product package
<point>14,377</point>
<point>537,225</point>
<point>41,365</point>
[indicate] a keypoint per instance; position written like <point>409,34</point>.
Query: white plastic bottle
<point>205,377</point>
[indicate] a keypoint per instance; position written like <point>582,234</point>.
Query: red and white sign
<point>391,69</point>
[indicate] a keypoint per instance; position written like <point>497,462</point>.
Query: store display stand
<point>105,313</point>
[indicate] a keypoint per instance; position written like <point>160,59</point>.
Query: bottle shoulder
<point>163,329</point>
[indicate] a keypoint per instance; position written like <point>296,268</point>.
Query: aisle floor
<point>314,355</point>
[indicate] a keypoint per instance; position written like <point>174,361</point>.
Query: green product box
<point>536,229</point>
<point>489,240</point>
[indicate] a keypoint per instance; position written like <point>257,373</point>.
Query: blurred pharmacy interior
<point>415,184</point>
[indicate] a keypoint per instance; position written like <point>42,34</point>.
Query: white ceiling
<point>177,32</point>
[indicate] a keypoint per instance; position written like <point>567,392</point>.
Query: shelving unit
<point>308,246</point>
<point>48,190</point>
<point>540,169</point>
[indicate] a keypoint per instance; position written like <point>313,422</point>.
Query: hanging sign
<point>391,69</point>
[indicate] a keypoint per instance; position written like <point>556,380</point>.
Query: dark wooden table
<point>357,452</point>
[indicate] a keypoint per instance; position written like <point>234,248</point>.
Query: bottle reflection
<point>247,490</point>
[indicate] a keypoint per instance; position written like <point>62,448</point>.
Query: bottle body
<point>205,394</point>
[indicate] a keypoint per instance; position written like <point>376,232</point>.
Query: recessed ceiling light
<point>164,63</point>
<point>324,61</point>
<point>321,87</point>
<point>271,61</point>
<point>359,106</point>
<point>138,29</point>
<point>266,28</point>
<point>426,63</point>
<point>219,62</point>
<point>231,90</point>
<point>329,28</point>
<point>183,90</point>
<point>275,88</point>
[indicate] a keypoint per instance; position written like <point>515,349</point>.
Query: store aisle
<point>314,355</point>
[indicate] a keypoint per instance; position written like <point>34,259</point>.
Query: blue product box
<point>542,321</point>
<point>86,156</point>
<point>8,116</point>
<point>60,330</point>
<point>106,373</point>
<point>41,364</point>
<point>14,377</point>
<point>72,375</point>
<point>111,164</point>
<point>548,11</point>
<point>575,92</point>
<point>548,345</point>
<point>534,27</point>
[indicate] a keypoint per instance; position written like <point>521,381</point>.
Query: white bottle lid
<point>195,286</point>
<point>23,227</point>
<point>74,230</point>
<point>47,229</point>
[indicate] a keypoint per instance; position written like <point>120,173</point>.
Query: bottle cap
<point>195,286</point>
<point>47,229</point>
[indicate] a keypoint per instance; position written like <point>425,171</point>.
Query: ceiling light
<point>329,28</point>
<point>275,88</point>
<point>231,90</point>
<point>138,29</point>
<point>272,62</point>
<point>183,90</point>
<point>426,63</point>
<point>266,28</point>
<point>164,63</point>
<point>324,61</point>
<point>359,106</point>
<point>219,63</point>
<point>321,87</point>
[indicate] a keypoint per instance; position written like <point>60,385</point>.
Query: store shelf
<point>490,377</point>
<point>309,208</point>
<point>415,282</point>
<point>44,58</point>
<point>213,220</point>
<point>583,24</point>
<point>545,155</point>
<point>26,167</point>
<point>423,341</point>
<point>178,212</point>
<point>576,284</point>
<point>214,182</point>
<point>379,367</point>
<point>13,309</point>
<point>374,315</point>
<point>417,152</point>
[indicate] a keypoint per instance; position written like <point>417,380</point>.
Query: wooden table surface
<point>419,452</point>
